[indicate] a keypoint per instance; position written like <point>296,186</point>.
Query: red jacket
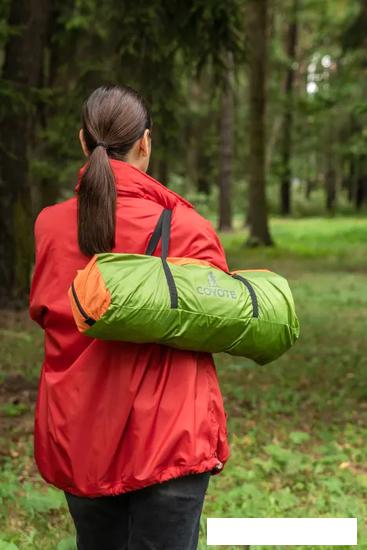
<point>112,417</point>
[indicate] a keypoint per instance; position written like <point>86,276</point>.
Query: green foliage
<point>68,543</point>
<point>9,483</point>
<point>4,545</point>
<point>21,349</point>
<point>36,502</point>
<point>299,437</point>
<point>13,409</point>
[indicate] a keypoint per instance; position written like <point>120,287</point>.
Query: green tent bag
<point>184,303</point>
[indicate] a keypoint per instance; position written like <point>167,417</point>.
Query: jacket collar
<point>132,182</point>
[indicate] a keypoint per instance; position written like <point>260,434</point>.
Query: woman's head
<point>118,118</point>
<point>116,124</point>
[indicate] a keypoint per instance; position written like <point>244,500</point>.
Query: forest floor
<point>297,427</point>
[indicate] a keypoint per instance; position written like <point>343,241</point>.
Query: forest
<point>260,120</point>
<point>258,107</point>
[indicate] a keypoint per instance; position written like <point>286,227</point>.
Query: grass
<point>297,427</point>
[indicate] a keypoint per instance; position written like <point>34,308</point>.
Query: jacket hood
<point>132,182</point>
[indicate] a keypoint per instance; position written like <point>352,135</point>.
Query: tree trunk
<point>330,187</point>
<point>257,55</point>
<point>46,189</point>
<point>330,172</point>
<point>226,148</point>
<point>286,141</point>
<point>22,70</point>
<point>350,181</point>
<point>361,183</point>
<point>203,180</point>
<point>361,192</point>
<point>310,184</point>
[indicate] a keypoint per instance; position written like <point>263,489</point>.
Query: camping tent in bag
<point>184,303</point>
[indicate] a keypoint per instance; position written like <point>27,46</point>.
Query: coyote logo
<point>214,290</point>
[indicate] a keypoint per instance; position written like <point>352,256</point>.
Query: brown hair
<point>113,118</point>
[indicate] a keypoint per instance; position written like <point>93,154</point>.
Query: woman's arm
<point>42,272</point>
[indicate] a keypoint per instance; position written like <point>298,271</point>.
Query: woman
<point>130,432</point>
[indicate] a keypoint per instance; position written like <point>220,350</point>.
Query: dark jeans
<point>163,516</point>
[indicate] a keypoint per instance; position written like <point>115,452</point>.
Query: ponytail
<point>118,116</point>
<point>97,205</point>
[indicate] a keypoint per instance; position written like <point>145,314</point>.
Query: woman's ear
<point>145,143</point>
<point>82,143</point>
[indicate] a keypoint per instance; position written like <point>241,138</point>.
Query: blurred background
<point>260,120</point>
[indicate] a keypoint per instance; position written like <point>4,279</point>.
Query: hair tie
<point>102,144</point>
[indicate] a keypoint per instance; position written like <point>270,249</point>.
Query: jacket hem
<point>121,487</point>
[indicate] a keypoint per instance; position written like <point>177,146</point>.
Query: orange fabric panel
<point>185,261</point>
<point>99,297</point>
<point>79,319</point>
<point>252,270</point>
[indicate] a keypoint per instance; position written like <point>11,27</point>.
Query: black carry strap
<point>161,230</point>
<point>251,290</point>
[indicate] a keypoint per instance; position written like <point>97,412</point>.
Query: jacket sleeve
<point>193,236</point>
<point>42,272</point>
